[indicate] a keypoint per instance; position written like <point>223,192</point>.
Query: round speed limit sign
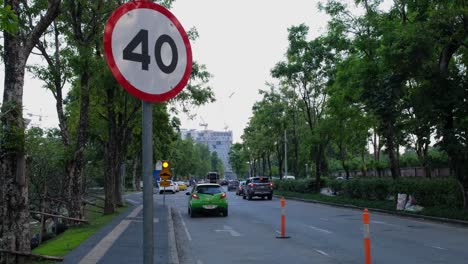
<point>148,51</point>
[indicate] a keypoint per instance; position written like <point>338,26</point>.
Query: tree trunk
<point>109,184</point>
<point>14,218</point>
<point>392,152</point>
<point>279,157</point>
<point>136,176</point>
<point>269,165</point>
<point>14,204</point>
<point>318,166</point>
<point>76,173</point>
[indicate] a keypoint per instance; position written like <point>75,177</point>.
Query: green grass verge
<point>450,213</point>
<point>68,240</point>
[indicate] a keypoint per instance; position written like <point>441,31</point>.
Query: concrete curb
<point>173,254</point>
<point>409,215</point>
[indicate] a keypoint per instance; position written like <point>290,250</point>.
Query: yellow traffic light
<point>165,164</point>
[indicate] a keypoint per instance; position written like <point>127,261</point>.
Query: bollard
<point>367,249</point>
<point>283,219</point>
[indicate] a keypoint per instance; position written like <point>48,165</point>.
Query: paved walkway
<point>121,241</point>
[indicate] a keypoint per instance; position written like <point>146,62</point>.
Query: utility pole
<point>285,155</point>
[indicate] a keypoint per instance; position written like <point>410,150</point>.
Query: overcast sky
<point>240,42</point>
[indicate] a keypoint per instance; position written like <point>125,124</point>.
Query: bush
<point>299,185</point>
<point>432,192</point>
<point>428,192</point>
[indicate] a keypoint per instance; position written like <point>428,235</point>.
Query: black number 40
<point>144,58</point>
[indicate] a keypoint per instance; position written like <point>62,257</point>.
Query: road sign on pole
<point>158,165</point>
<point>148,51</point>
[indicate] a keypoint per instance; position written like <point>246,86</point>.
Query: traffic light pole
<point>147,165</point>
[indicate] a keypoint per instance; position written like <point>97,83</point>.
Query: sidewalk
<point>121,241</point>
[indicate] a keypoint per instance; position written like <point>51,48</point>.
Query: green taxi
<point>207,197</point>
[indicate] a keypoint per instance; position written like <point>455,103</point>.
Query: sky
<point>239,42</point>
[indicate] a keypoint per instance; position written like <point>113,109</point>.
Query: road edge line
<point>173,253</point>
<point>408,215</point>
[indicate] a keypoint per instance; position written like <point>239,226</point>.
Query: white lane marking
<point>436,247</point>
<point>135,211</point>
<point>103,246</point>
<point>230,230</point>
<point>132,201</point>
<point>140,220</point>
<point>381,223</point>
<point>321,252</point>
<point>185,227</point>
<point>319,229</point>
<point>277,231</point>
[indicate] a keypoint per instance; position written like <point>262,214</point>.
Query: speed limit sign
<point>148,51</point>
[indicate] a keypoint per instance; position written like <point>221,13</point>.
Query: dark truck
<point>258,186</point>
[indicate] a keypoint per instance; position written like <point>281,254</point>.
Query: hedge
<point>299,185</point>
<point>428,192</point>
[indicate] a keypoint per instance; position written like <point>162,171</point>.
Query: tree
<point>14,218</point>
<point>307,71</point>
<point>238,160</point>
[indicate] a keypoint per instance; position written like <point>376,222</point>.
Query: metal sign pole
<point>147,164</point>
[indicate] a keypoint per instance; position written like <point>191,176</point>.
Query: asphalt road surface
<point>319,234</point>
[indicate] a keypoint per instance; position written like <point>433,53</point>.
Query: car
<point>182,186</point>
<point>232,185</point>
<point>240,188</point>
<point>258,186</point>
<point>208,198</point>
<point>289,177</point>
<point>224,182</point>
<point>171,188</point>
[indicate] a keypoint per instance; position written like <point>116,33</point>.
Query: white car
<point>172,188</point>
<point>288,177</point>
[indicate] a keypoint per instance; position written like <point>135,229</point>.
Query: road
<point>319,234</point>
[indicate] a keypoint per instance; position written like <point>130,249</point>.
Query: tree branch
<point>53,11</point>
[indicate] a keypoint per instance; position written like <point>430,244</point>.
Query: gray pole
<point>285,156</point>
<point>306,171</point>
<point>147,164</point>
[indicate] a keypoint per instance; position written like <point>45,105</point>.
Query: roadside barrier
<point>367,249</point>
<point>283,219</point>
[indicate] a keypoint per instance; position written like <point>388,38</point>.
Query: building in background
<point>217,141</point>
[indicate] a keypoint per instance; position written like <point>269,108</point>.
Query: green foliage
<point>432,192</point>
<point>428,192</point>
<point>8,18</point>
<point>298,185</point>
<point>73,237</point>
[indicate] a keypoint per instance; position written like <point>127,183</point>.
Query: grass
<point>450,213</point>
<point>71,238</point>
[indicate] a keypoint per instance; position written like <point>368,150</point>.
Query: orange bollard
<point>367,248</point>
<point>283,219</point>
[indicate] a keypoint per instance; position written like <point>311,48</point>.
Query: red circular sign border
<point>109,29</point>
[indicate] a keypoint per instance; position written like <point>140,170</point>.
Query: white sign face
<point>158,165</point>
<point>148,51</point>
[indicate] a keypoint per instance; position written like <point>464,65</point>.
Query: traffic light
<point>165,164</point>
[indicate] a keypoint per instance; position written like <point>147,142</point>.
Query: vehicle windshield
<point>261,180</point>
<point>209,189</point>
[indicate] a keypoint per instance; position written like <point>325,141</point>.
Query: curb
<point>173,254</point>
<point>409,215</point>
